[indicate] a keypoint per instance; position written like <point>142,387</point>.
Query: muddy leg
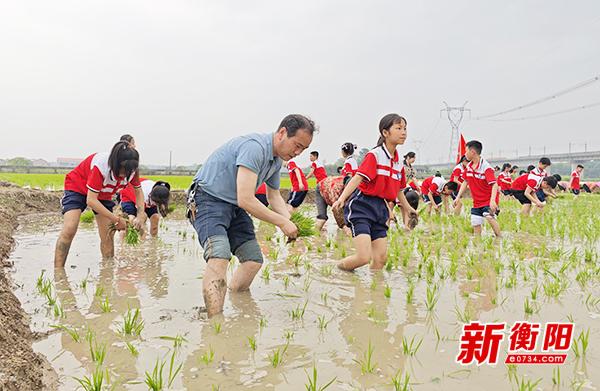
<point>244,275</point>
<point>63,243</point>
<point>107,238</point>
<point>214,285</point>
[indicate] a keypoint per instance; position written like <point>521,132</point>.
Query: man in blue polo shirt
<point>224,195</point>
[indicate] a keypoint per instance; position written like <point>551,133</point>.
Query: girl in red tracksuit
<point>379,180</point>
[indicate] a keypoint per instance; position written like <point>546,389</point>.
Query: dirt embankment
<point>20,367</point>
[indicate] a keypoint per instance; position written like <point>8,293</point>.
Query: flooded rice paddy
<point>395,329</point>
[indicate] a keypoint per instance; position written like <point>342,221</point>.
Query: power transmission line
<point>588,106</point>
<point>545,99</point>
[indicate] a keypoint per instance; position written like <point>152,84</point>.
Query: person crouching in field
<point>457,177</point>
<point>574,185</point>
<point>435,192</point>
<point>379,180</point>
<point>525,189</point>
<point>480,177</point>
<point>93,183</point>
<point>156,201</point>
<point>299,186</point>
<point>317,169</point>
<point>222,198</point>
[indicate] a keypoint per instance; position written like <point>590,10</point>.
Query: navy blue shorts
<point>296,198</point>
<point>224,228</point>
<point>130,208</point>
<point>436,198</point>
<point>367,215</point>
<point>74,200</point>
<point>478,215</point>
<point>541,195</point>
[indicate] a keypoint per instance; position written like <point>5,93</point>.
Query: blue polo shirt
<point>218,175</point>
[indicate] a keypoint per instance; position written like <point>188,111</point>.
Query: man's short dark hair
<point>476,145</point>
<point>579,166</point>
<point>545,161</point>
<point>315,154</point>
<point>294,122</point>
<point>557,177</point>
<point>551,181</point>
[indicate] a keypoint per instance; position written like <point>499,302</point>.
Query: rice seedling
<point>298,312</point>
<point>591,301</point>
<point>326,270</point>
<point>252,343</point>
<point>132,349</point>
<point>528,308</point>
<point>410,292</point>
<point>266,273</point>
<point>217,327</point>
<point>312,384</point>
<point>276,358</point>
<point>132,236</point>
<point>72,332</point>
<point>97,352</point>
<point>556,376</point>
<point>431,297</point>
<point>87,216</point>
<point>105,305</point>
<point>262,323</point>
<point>307,283</point>
<point>387,291</point>
<point>322,322</point>
<point>463,316</point>
<point>401,383</point>
<point>95,382</point>
<point>366,362</point>
<point>527,384</point>
<point>581,343</point>
<point>273,253</point>
<point>132,323</point>
<point>89,335</point>
<point>154,380</point>
<point>99,291</point>
<point>325,295</point>
<point>286,281</point>
<point>177,340</point>
<point>50,299</point>
<point>288,335</point>
<point>534,292</point>
<point>39,282</point>
<point>58,310</point>
<point>173,371</point>
<point>305,224</point>
<point>208,356</point>
<point>410,348</point>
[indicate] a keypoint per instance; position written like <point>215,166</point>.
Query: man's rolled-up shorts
<point>224,228</point>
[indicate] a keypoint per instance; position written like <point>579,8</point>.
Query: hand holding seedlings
<point>119,224</point>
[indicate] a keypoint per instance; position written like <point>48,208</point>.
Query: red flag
<point>462,148</point>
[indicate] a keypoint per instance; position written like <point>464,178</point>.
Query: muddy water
<point>161,277</point>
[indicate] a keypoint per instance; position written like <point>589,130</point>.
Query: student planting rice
<point>505,179</point>
<point>574,186</point>
<point>93,183</point>
<point>435,192</point>
<point>457,177</point>
<point>156,201</point>
<point>380,181</point>
<point>299,186</point>
<point>411,177</point>
<point>223,193</point>
<point>350,164</point>
<point>318,171</point>
<point>481,180</point>
<point>525,189</point>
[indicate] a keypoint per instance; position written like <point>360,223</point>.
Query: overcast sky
<point>186,76</point>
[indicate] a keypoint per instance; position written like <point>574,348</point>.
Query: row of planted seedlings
<point>546,265</point>
<point>128,331</point>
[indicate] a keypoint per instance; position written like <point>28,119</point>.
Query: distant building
<point>39,163</point>
<point>68,161</point>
